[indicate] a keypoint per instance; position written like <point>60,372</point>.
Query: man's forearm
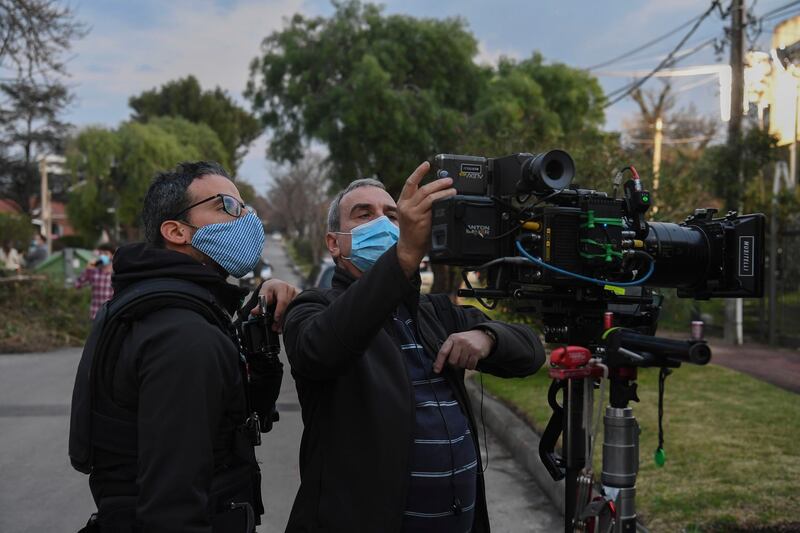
<point>321,341</point>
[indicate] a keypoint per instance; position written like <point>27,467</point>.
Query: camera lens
<point>547,172</point>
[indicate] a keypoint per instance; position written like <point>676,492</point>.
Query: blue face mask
<point>370,241</point>
<point>236,246</point>
<point>103,260</point>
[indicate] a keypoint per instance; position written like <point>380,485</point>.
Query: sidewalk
<point>778,366</point>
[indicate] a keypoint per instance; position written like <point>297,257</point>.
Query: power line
<point>645,45</point>
<point>780,8</point>
<point>667,60</point>
<point>658,57</point>
<point>777,16</point>
<point>686,54</point>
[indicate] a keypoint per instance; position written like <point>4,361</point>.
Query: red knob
<point>570,357</point>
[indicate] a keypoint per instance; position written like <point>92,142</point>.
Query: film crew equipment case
<point>114,429</point>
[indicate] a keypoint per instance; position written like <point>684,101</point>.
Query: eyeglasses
<point>230,205</point>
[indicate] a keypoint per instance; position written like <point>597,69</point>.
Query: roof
<point>8,205</point>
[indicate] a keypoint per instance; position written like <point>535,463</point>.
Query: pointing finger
<point>441,357</point>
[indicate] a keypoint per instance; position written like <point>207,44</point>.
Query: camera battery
<point>464,230</point>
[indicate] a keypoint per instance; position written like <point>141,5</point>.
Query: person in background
<point>98,276</point>
<point>37,252</point>
<point>10,260</point>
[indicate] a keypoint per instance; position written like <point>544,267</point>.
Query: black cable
<point>667,60</point>
<point>699,47</point>
<point>662,377</point>
<point>643,46</point>
<point>780,8</point>
<point>478,298</point>
<point>483,425</point>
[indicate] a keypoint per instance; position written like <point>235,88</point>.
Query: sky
<point>138,45</point>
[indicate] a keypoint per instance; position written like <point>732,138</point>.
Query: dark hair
<point>167,195</point>
<point>107,247</point>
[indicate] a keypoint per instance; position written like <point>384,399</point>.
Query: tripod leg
<point>574,448</point>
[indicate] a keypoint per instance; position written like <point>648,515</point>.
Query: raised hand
<point>414,216</point>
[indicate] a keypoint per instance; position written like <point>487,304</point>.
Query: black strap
<point>113,428</point>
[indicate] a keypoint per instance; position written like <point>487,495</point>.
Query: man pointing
<point>389,442</point>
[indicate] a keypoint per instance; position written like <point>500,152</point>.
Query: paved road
<point>39,491</point>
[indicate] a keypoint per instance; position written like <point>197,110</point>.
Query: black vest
<point>100,429</point>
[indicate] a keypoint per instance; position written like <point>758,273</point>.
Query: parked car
<point>266,271</point>
<point>324,275</point>
<point>262,272</point>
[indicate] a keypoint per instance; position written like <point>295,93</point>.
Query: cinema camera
<point>589,264</point>
<point>538,237</point>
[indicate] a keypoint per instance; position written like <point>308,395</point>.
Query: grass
<point>40,315</point>
<point>733,463</point>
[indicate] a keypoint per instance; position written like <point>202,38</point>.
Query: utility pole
<point>733,307</point>
<point>46,215</point>
<point>657,138</point>
<point>782,177</point>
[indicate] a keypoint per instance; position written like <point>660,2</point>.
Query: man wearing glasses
<point>169,447</point>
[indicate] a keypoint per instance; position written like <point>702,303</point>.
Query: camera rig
<point>589,265</point>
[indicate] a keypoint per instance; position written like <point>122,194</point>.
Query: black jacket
<point>357,401</point>
<point>178,376</point>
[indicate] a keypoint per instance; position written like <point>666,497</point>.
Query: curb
<point>520,440</point>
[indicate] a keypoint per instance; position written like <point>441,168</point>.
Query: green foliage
<point>116,167</point>
<point>41,315</point>
<point>235,127</point>
<point>386,92</point>
<point>381,92</point>
<point>197,136</point>
<point>716,168</point>
<point>29,125</point>
<point>17,229</point>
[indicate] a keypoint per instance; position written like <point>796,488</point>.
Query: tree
<point>16,228</point>
<point>30,124</point>
<point>235,127</point>
<point>197,135</point>
<point>382,93</point>
<point>686,135</point>
<point>34,34</point>
<point>297,201</point>
<point>532,106</point>
<point>115,168</point>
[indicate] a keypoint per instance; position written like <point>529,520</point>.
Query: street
<point>39,490</point>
